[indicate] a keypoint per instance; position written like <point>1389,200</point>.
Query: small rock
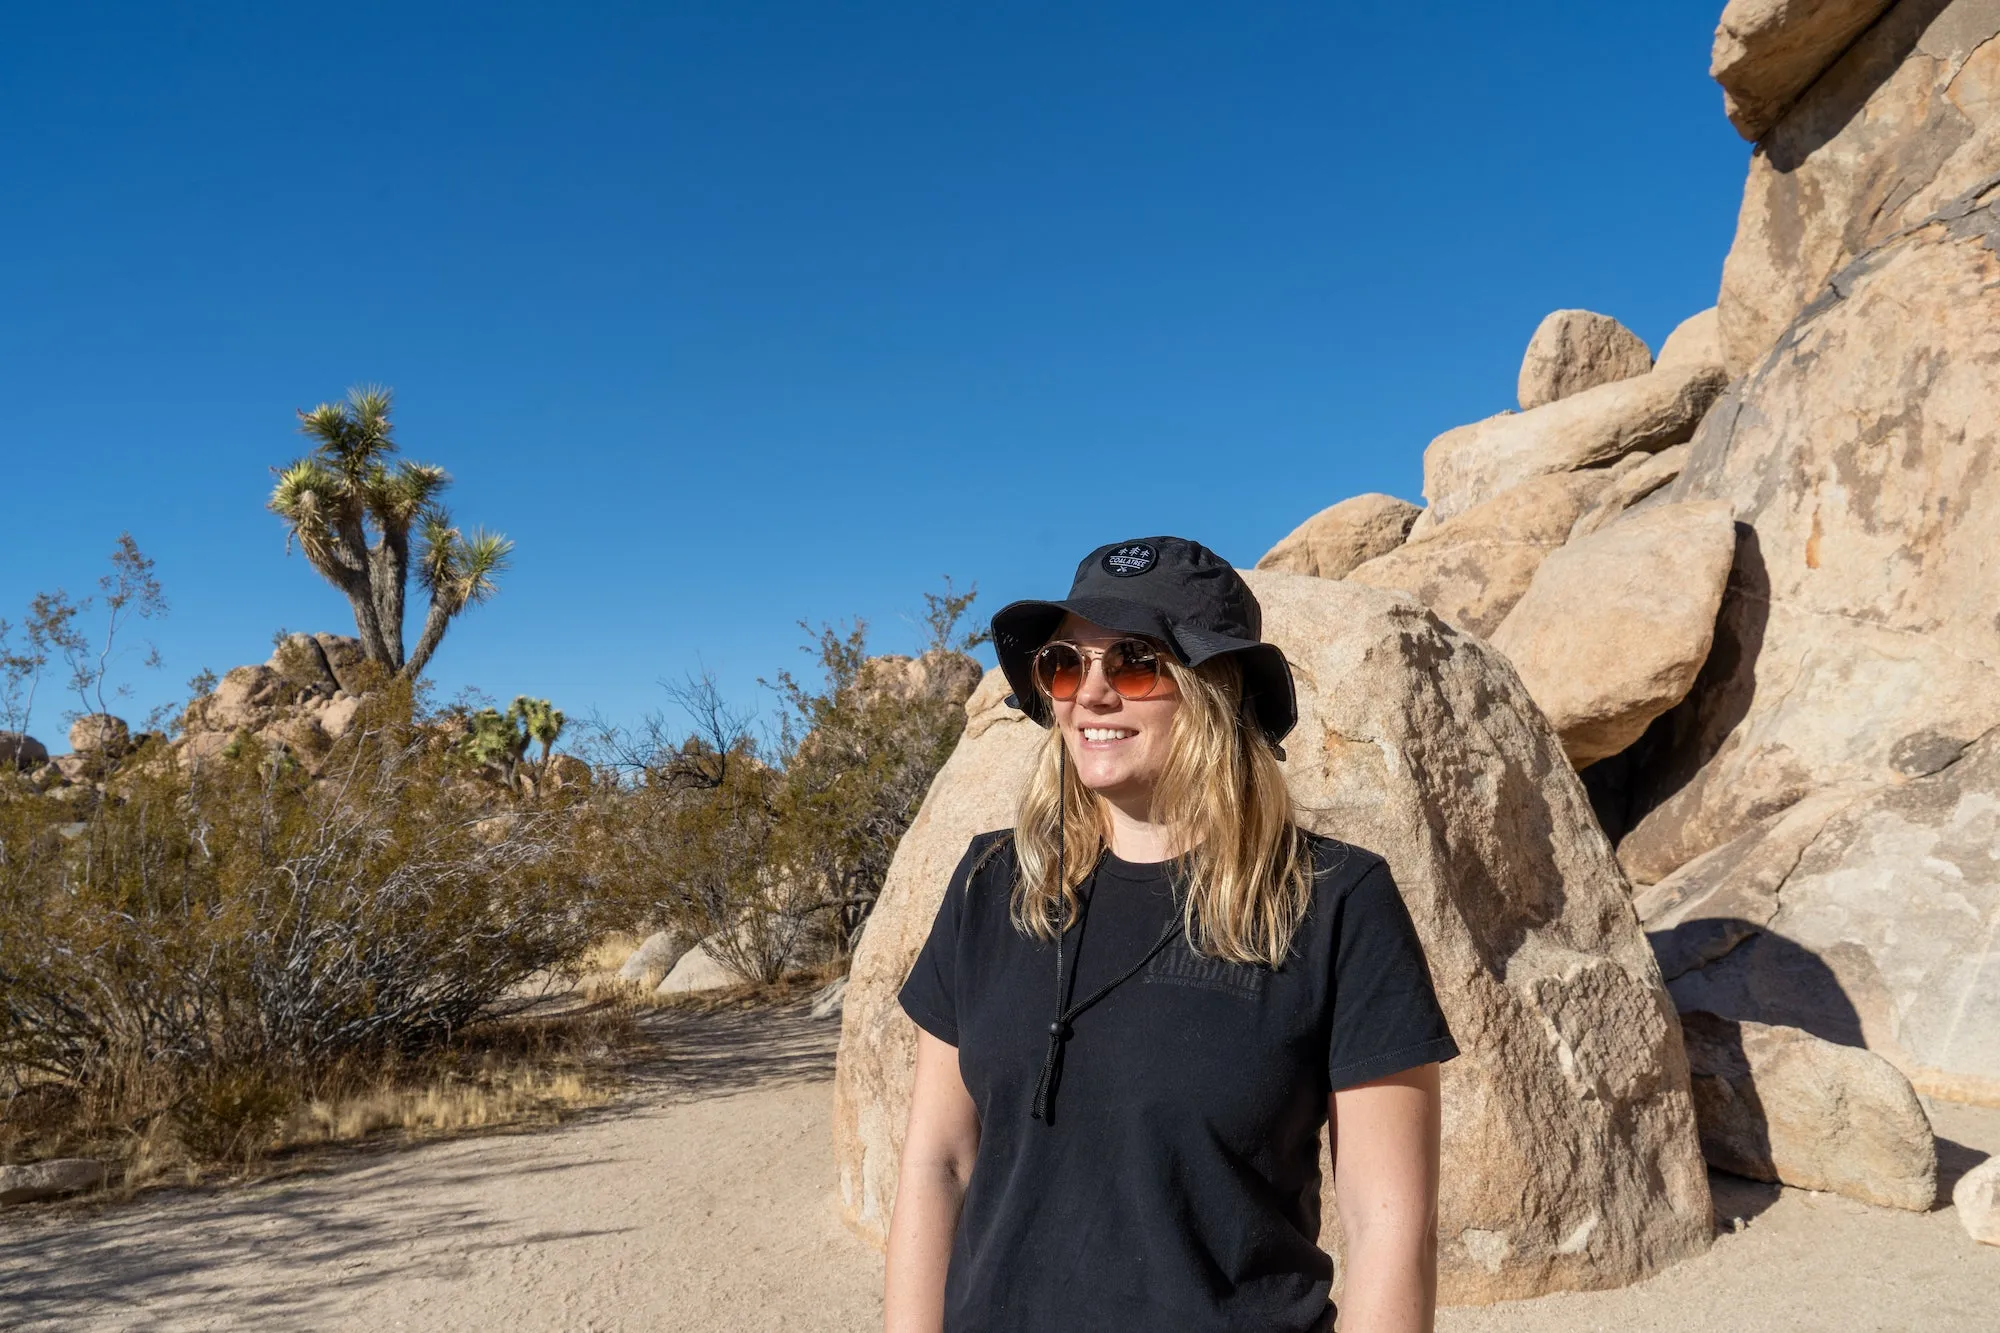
<point>47,1180</point>
<point>1977,1198</point>
<point>1776,1103</point>
<point>338,715</point>
<point>1574,350</point>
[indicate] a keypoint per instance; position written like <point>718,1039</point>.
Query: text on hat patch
<point>1125,561</point>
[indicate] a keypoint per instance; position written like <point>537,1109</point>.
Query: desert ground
<point>702,1198</point>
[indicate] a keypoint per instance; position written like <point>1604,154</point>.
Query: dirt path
<point>703,1201</point>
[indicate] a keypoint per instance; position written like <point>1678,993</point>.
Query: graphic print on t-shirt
<point>1180,965</point>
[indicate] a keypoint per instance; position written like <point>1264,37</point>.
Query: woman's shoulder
<point>1338,866</point>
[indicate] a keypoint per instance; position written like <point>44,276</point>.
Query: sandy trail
<point>702,1200</point>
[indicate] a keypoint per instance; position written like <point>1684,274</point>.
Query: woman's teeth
<point>1105,733</point>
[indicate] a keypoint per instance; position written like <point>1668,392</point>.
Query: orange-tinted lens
<point>1132,667</point>
<point>1059,670</point>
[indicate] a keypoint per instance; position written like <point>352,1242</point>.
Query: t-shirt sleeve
<point>930,993</point>
<point>1385,1012</point>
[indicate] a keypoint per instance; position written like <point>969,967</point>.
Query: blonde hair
<point>1246,881</point>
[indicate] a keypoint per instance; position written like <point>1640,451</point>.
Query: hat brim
<point>1019,628</point>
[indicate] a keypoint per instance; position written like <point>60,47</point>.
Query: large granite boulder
<point>1643,414</point>
<point>1767,52</point>
<point>1775,1103</point>
<point>1858,641</point>
<point>1613,628</point>
<point>1863,917</point>
<point>100,736</point>
<point>1342,536</point>
<point>1902,125</point>
<point>1574,350</point>
<point>1471,569</point>
<point>1570,1157</point>
<point>18,750</point>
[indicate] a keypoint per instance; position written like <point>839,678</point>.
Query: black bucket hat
<point>1171,590</point>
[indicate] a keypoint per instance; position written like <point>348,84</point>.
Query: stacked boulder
<point>300,701</point>
<point>1571,1158</point>
<point>1746,591</point>
<point>1767,634</point>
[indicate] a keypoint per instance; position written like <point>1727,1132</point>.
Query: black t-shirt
<point>1176,1184</point>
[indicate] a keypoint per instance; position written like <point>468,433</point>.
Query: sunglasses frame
<point>1092,655</point>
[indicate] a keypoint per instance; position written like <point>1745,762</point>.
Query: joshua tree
<point>542,721</point>
<point>502,739</point>
<point>353,510</point>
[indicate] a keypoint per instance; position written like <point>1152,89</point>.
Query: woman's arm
<point>938,1150</point>
<point>1385,1184</point>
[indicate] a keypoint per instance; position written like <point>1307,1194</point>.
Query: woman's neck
<point>1133,836</point>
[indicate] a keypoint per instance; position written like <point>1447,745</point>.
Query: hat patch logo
<point>1124,562</point>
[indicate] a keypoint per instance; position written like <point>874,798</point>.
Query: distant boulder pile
<point>1746,590</point>
<point>296,704</point>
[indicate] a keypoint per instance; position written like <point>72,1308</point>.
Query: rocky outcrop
<point>1977,1199</point>
<point>1645,414</point>
<point>1862,917</point>
<point>100,736</point>
<point>1613,628</point>
<point>1473,568</point>
<point>1574,350</point>
<point>950,676</point>
<point>1857,642</point>
<point>1337,539</point>
<point>1903,126</point>
<point>1570,1152</point>
<point>52,1179</point>
<point>1775,1103</point>
<point>1767,52</point>
<point>21,751</point>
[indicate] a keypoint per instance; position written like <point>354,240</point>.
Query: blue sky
<point>737,314</point>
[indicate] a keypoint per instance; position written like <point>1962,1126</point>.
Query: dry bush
<point>212,947</point>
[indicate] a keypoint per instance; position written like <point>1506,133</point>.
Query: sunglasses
<point>1131,667</point>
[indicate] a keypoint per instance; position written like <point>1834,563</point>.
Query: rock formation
<point>1574,350</point>
<point>1775,1103</point>
<point>1473,568</point>
<point>1903,126</point>
<point>1644,414</point>
<point>1570,1151</point>
<point>1335,540</point>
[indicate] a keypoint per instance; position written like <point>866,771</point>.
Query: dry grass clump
<point>517,1073</point>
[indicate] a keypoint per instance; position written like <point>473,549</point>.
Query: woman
<point>1137,1008</point>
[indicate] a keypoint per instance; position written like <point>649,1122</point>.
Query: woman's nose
<point>1095,691</point>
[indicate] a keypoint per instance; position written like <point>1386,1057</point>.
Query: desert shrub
<point>210,936</point>
<point>775,854</point>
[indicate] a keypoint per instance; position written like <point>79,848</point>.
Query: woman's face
<point>1118,745</point>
